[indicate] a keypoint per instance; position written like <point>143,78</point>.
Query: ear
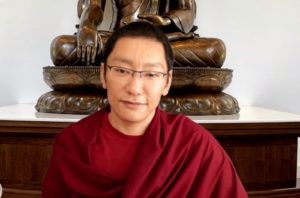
<point>168,84</point>
<point>102,76</point>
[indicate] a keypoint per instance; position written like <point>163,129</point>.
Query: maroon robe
<point>176,158</point>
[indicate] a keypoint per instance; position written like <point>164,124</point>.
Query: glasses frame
<point>132,72</point>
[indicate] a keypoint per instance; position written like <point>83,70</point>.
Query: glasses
<point>125,73</point>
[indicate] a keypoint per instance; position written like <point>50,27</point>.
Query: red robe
<point>176,158</point>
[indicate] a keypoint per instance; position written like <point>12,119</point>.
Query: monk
<point>132,148</point>
<point>175,18</point>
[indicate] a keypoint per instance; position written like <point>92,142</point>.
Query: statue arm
<point>89,42</point>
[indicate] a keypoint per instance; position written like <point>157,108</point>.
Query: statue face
<point>135,98</point>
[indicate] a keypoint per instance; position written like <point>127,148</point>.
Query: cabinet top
<point>247,114</point>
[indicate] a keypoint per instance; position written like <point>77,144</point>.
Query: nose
<point>135,85</point>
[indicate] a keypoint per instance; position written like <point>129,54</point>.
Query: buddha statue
<point>198,79</point>
<point>175,18</point>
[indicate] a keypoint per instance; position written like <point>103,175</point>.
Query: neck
<point>129,127</point>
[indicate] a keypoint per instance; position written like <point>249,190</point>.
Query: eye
<point>122,71</point>
<point>152,74</point>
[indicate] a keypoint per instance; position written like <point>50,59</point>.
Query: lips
<point>133,104</point>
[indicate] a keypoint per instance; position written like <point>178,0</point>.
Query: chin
<point>136,115</point>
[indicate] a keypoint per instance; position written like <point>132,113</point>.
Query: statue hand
<point>155,19</point>
<point>89,44</point>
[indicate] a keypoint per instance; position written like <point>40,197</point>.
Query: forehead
<point>138,50</point>
<point>137,39</point>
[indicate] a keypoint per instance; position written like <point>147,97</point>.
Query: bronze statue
<point>198,79</point>
<point>175,18</point>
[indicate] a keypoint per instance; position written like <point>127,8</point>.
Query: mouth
<point>133,104</point>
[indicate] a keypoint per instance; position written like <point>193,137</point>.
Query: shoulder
<point>181,130</point>
<point>181,124</point>
<point>184,131</point>
<point>182,134</point>
<point>81,132</point>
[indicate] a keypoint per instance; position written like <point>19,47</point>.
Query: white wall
<point>26,30</point>
<point>263,47</point>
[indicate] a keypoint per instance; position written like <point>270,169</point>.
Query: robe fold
<point>175,158</point>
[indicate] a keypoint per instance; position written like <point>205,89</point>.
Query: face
<point>135,100</point>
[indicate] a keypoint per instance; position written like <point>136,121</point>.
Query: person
<point>175,18</point>
<point>132,148</point>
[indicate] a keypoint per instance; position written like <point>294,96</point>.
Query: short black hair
<point>144,30</point>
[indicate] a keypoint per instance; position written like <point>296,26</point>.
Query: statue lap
<point>193,52</point>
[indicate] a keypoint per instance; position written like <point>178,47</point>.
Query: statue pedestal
<point>194,91</point>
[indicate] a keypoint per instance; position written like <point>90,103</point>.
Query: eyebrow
<point>121,59</point>
<point>127,61</point>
